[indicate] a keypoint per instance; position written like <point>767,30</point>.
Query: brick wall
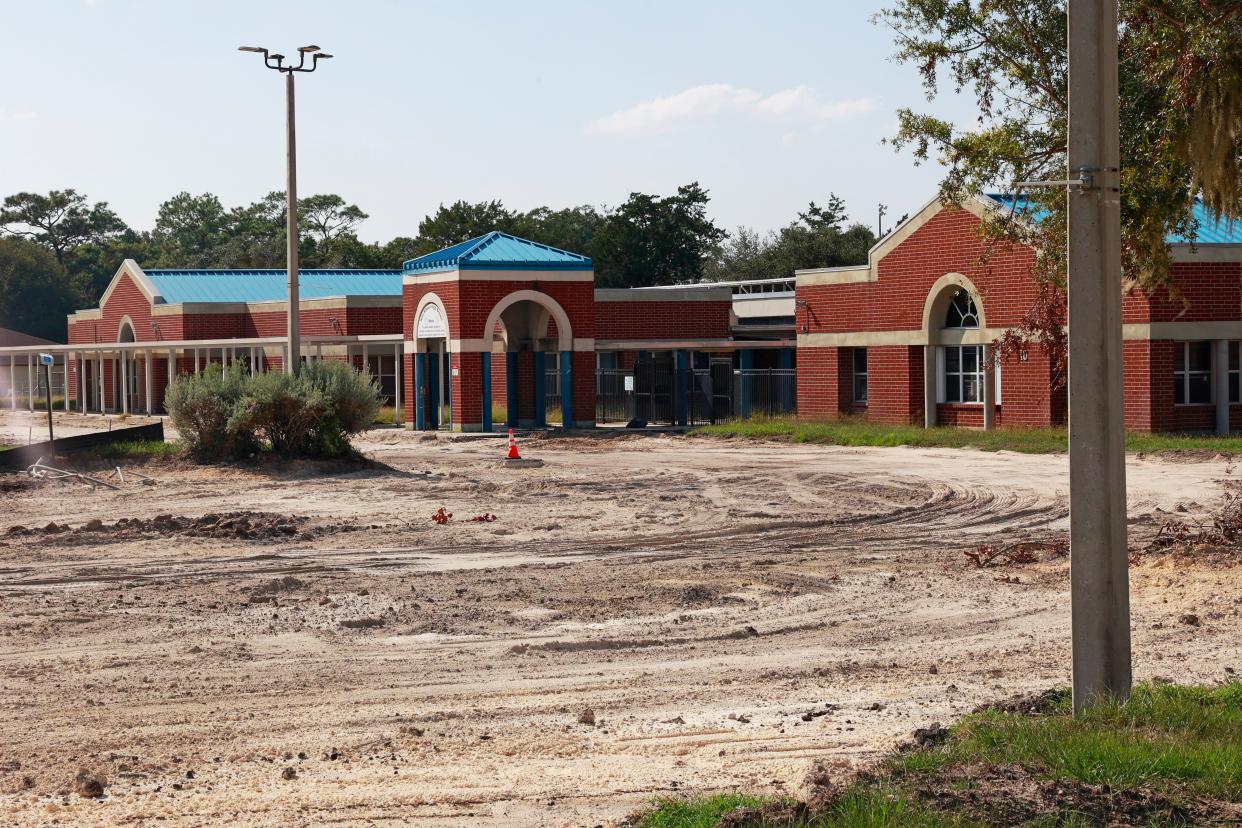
<point>662,320</point>
<point>819,383</point>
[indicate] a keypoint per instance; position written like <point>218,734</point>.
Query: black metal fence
<point>718,393</point>
<point>613,396</point>
<point>552,394</point>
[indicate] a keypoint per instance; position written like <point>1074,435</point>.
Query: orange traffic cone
<point>513,450</point>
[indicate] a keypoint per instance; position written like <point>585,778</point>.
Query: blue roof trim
<point>269,284</point>
<point>498,251</point>
<point>1211,230</point>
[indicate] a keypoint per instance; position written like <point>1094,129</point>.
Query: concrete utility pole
<point>1099,568</point>
<point>275,61</point>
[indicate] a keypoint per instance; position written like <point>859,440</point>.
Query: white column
<point>319,352</point>
<point>224,360</point>
<point>1220,368</point>
<point>13,381</point>
<point>929,386</point>
<point>399,354</point>
<point>148,372</point>
<point>172,367</point>
<point>124,382</point>
<point>81,359</point>
<point>99,381</point>
<point>30,377</point>
<point>366,364</point>
<point>196,360</point>
<point>989,390</point>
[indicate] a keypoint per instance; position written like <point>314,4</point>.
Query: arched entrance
<point>127,374</point>
<point>535,336</point>
<point>961,381</point>
<point>504,300</point>
<point>433,396</point>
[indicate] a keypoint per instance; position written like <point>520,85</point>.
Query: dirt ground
<point>299,645</point>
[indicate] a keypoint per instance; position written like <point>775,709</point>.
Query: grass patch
<point>135,450</point>
<point>856,432</point>
<point>1178,740</point>
<point>387,415</point>
<point>704,812</point>
<point>1171,756</point>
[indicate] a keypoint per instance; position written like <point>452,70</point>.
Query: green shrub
<point>345,400</point>
<point>201,407</point>
<point>234,414</point>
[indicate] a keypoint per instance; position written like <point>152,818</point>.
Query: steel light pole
<point>277,62</point>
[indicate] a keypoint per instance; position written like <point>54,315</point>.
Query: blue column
<point>541,396</point>
<point>787,383</point>
<point>746,362</point>
<point>511,387</point>
<point>487,390</point>
<point>433,390</point>
<point>420,391</point>
<point>567,389</point>
<point>683,388</point>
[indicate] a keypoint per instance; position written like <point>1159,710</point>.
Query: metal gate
<point>552,394</point>
<point>653,389</point>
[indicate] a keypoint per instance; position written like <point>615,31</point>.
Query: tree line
<point>59,251</point>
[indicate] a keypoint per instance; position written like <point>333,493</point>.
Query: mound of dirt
<point>229,525</point>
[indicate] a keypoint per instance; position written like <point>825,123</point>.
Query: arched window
<point>962,312</point>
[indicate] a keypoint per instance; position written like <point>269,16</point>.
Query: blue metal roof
<point>1211,230</point>
<point>270,284</point>
<point>499,251</point>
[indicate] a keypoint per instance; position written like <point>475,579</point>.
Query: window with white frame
<point>962,312</point>
<point>860,375</point>
<point>962,374</point>
<point>1192,372</point>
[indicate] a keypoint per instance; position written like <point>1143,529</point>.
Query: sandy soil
<point>726,612</point>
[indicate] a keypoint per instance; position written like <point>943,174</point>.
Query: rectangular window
<point>963,374</point>
<point>860,375</point>
<point>1192,373</point>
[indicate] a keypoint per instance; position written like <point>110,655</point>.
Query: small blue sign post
<point>47,360</point>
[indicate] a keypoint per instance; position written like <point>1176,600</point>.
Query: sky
<point>769,105</point>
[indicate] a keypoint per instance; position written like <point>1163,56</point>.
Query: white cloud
<point>17,117</point>
<point>798,104</point>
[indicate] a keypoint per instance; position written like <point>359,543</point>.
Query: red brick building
<point>494,330</point>
<point>906,337</point>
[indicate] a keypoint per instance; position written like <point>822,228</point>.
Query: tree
<point>35,294</point>
<point>650,240</point>
<point>326,217</point>
<point>461,221</point>
<point>59,220</point>
<point>743,255</point>
<point>571,229</point>
<point>254,235</point>
<point>92,265</point>
<point>814,240</point>
<point>817,240</point>
<point>1181,114</point>
<point>190,231</point>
